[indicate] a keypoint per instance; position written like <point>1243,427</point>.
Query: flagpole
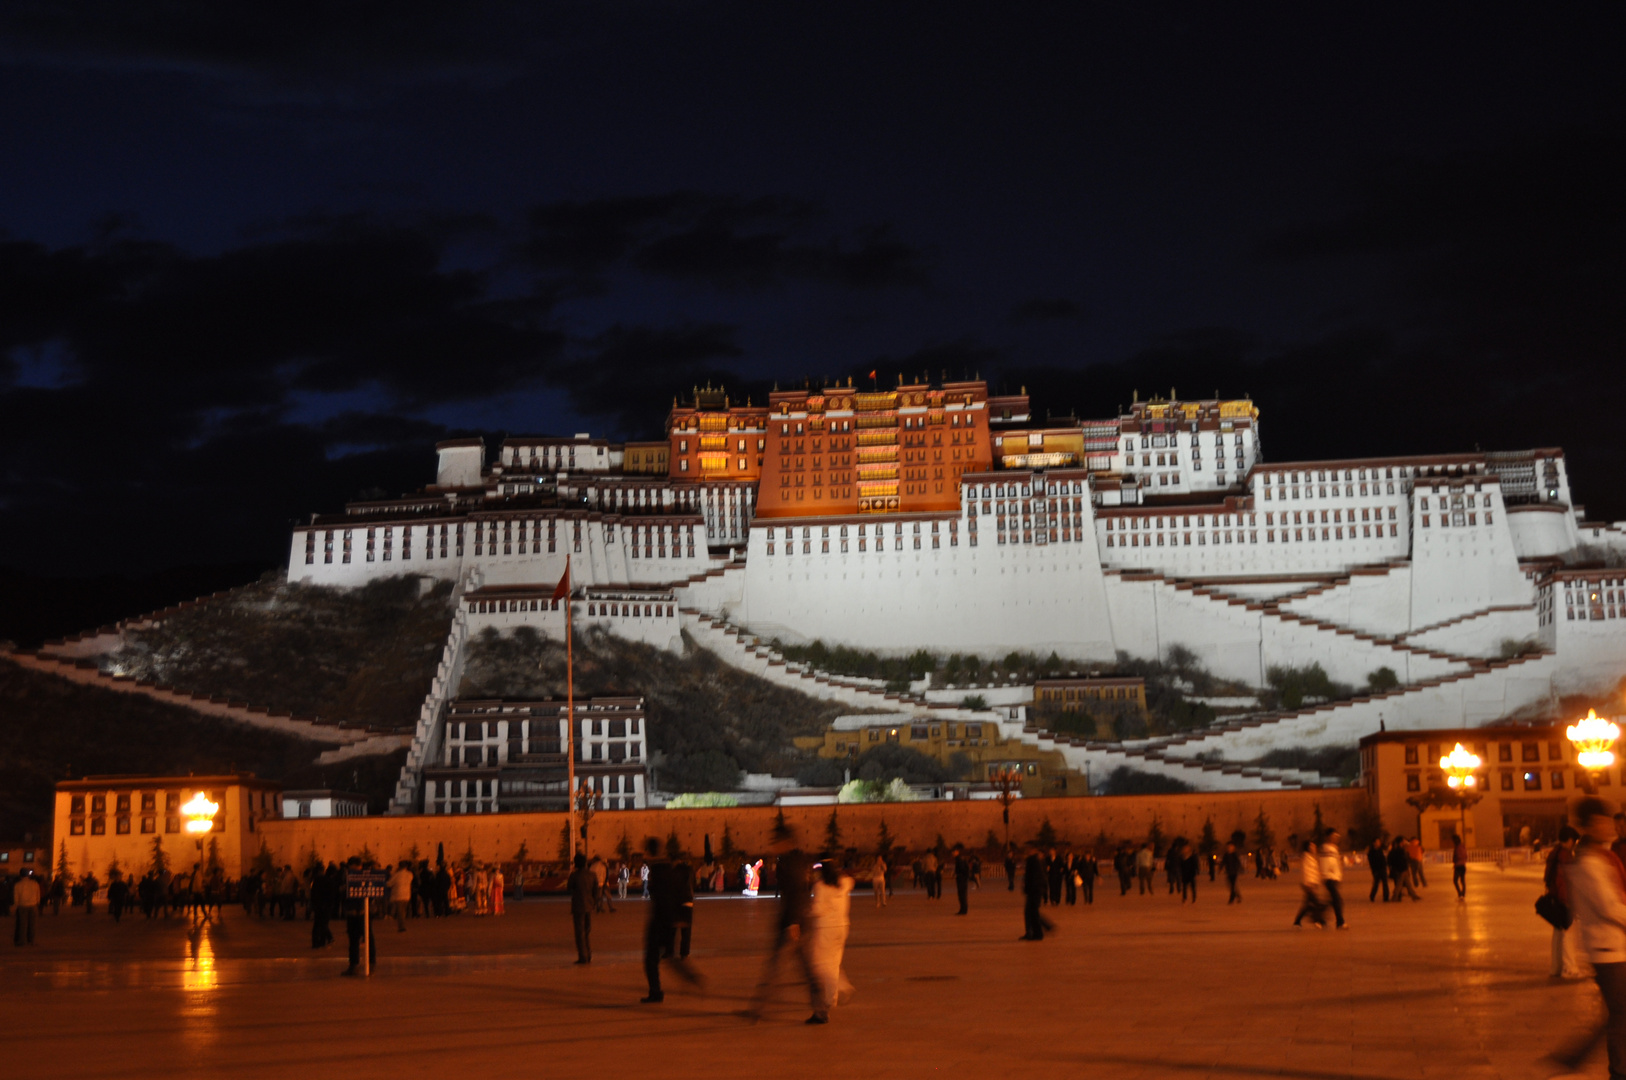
<point>570,720</point>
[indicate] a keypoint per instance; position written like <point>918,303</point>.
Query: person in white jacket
<point>826,942</point>
<point>1596,884</point>
<point>1310,881</point>
<point>1332,873</point>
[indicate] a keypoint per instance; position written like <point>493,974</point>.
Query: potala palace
<point>935,515</point>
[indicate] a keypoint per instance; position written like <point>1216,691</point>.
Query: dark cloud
<point>339,44</point>
<point>723,241</point>
<point>628,375</point>
<point>1044,309</point>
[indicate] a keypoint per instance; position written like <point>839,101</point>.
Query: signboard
<point>365,884</point>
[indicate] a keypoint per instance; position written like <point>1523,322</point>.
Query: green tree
<point>674,846</point>
<point>414,857</point>
<point>1263,835</point>
<point>160,857</point>
<point>520,856</point>
<point>884,841</point>
<point>781,828</point>
<point>265,860</point>
<point>468,859</point>
<point>213,866</point>
<point>1155,835</point>
<point>1210,840</point>
<point>114,870</point>
<point>313,861</point>
<point>63,866</point>
<point>1383,679</point>
<point>991,841</point>
<point>1047,834</point>
<point>1366,827</point>
<point>369,859</point>
<point>832,832</point>
<point>1320,825</point>
<point>623,847</point>
<point>728,849</point>
<point>1103,842</point>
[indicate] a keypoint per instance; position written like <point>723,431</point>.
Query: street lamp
<point>200,817</point>
<point>1009,781</point>
<point>587,801</point>
<point>1459,767</point>
<point>1592,738</point>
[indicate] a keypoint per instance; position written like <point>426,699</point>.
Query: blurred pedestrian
<point>1400,870</point>
<point>584,888</point>
<point>1459,865</point>
<point>1034,888</point>
<point>400,892</point>
<point>1310,882</point>
<point>877,880</point>
<point>1377,860</point>
<point>1566,962</point>
<point>1332,873</point>
<point>792,872</point>
<point>829,917</point>
<point>1089,868</point>
<point>962,882</point>
<point>1145,863</point>
<point>1190,867</point>
<point>25,908</point>
<point>1594,883</point>
<point>355,922</point>
<point>1231,863</point>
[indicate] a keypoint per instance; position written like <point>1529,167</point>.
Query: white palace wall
<point>946,591</point>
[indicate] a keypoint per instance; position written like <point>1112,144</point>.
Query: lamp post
<point>200,818</point>
<point>1009,781</point>
<point>1459,767</point>
<point>1593,739</point>
<point>587,801</point>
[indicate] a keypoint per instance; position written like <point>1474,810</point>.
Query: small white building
<point>323,803</point>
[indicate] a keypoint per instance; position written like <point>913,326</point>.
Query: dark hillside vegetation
<point>365,655</point>
<point>707,720</point>
<point>52,729</point>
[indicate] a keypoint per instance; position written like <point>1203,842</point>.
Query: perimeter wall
<point>916,826</point>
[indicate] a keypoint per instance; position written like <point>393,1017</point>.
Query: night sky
<point>256,258</point>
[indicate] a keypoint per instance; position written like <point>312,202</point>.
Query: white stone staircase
<point>432,713</point>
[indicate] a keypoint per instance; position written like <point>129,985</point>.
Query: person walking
<point>1010,868</point>
<point>1310,882</point>
<point>1190,868</point>
<point>623,876</point>
<point>877,881</point>
<point>682,909</point>
<point>1034,890</point>
<point>792,872</point>
<point>1332,874</point>
<point>1070,876</point>
<point>1459,866</point>
<point>1400,870</point>
<point>355,912</point>
<point>644,870</point>
<point>962,881</point>
<point>584,888</point>
<point>1414,862</point>
<point>1598,900</point>
<point>1377,860</point>
<point>1566,962</point>
<point>25,908</point>
<point>601,877</point>
<point>1089,868</point>
<point>1056,873</point>
<point>931,875</point>
<point>400,887</point>
<point>1145,862</point>
<point>1231,863</point>
<point>1123,861</point>
<point>830,915</point>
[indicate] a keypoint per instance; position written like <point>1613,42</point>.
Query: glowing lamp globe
<point>1593,738</point>
<point>200,814</point>
<point>1459,766</point>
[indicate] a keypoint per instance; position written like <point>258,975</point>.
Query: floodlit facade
<point>939,515</point>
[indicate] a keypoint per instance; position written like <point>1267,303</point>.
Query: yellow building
<point>1044,772</point>
<point>1526,780</point>
<point>103,819</point>
<point>1088,693</point>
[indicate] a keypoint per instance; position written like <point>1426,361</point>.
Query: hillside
<point>364,655</point>
<point>52,729</point>
<point>706,719</point>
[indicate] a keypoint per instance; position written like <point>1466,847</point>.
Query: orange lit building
<point>710,438</point>
<point>839,450</point>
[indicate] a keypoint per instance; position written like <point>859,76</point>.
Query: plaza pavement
<point>1133,987</point>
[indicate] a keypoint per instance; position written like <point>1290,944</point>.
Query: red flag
<point>562,590</point>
